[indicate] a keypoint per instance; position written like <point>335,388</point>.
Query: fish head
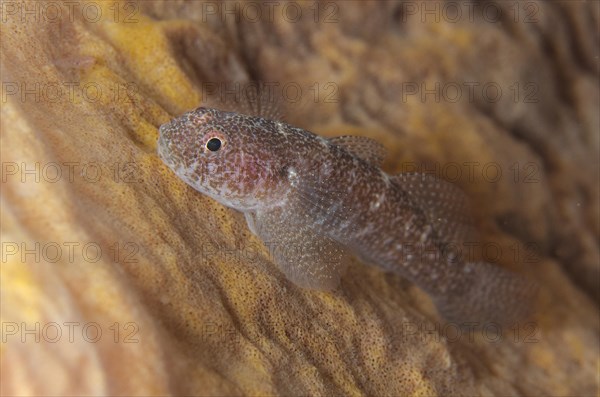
<point>232,158</point>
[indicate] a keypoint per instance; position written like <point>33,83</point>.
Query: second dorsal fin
<point>445,205</point>
<point>365,148</point>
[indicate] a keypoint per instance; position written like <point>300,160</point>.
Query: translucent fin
<point>307,258</point>
<point>365,148</point>
<point>250,220</point>
<point>251,99</point>
<point>318,197</point>
<point>492,295</point>
<point>446,206</point>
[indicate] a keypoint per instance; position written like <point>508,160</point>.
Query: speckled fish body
<point>315,201</point>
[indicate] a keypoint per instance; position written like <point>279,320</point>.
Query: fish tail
<point>492,295</point>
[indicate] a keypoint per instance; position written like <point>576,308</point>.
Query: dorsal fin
<point>365,148</point>
<point>446,206</point>
<point>250,99</point>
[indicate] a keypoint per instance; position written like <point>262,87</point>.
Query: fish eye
<point>213,144</point>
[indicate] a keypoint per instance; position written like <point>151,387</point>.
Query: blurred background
<point>118,279</point>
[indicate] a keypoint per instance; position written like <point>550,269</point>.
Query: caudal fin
<point>494,295</point>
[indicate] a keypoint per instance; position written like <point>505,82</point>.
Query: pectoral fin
<point>307,258</point>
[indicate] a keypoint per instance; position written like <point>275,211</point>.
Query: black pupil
<point>213,144</point>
